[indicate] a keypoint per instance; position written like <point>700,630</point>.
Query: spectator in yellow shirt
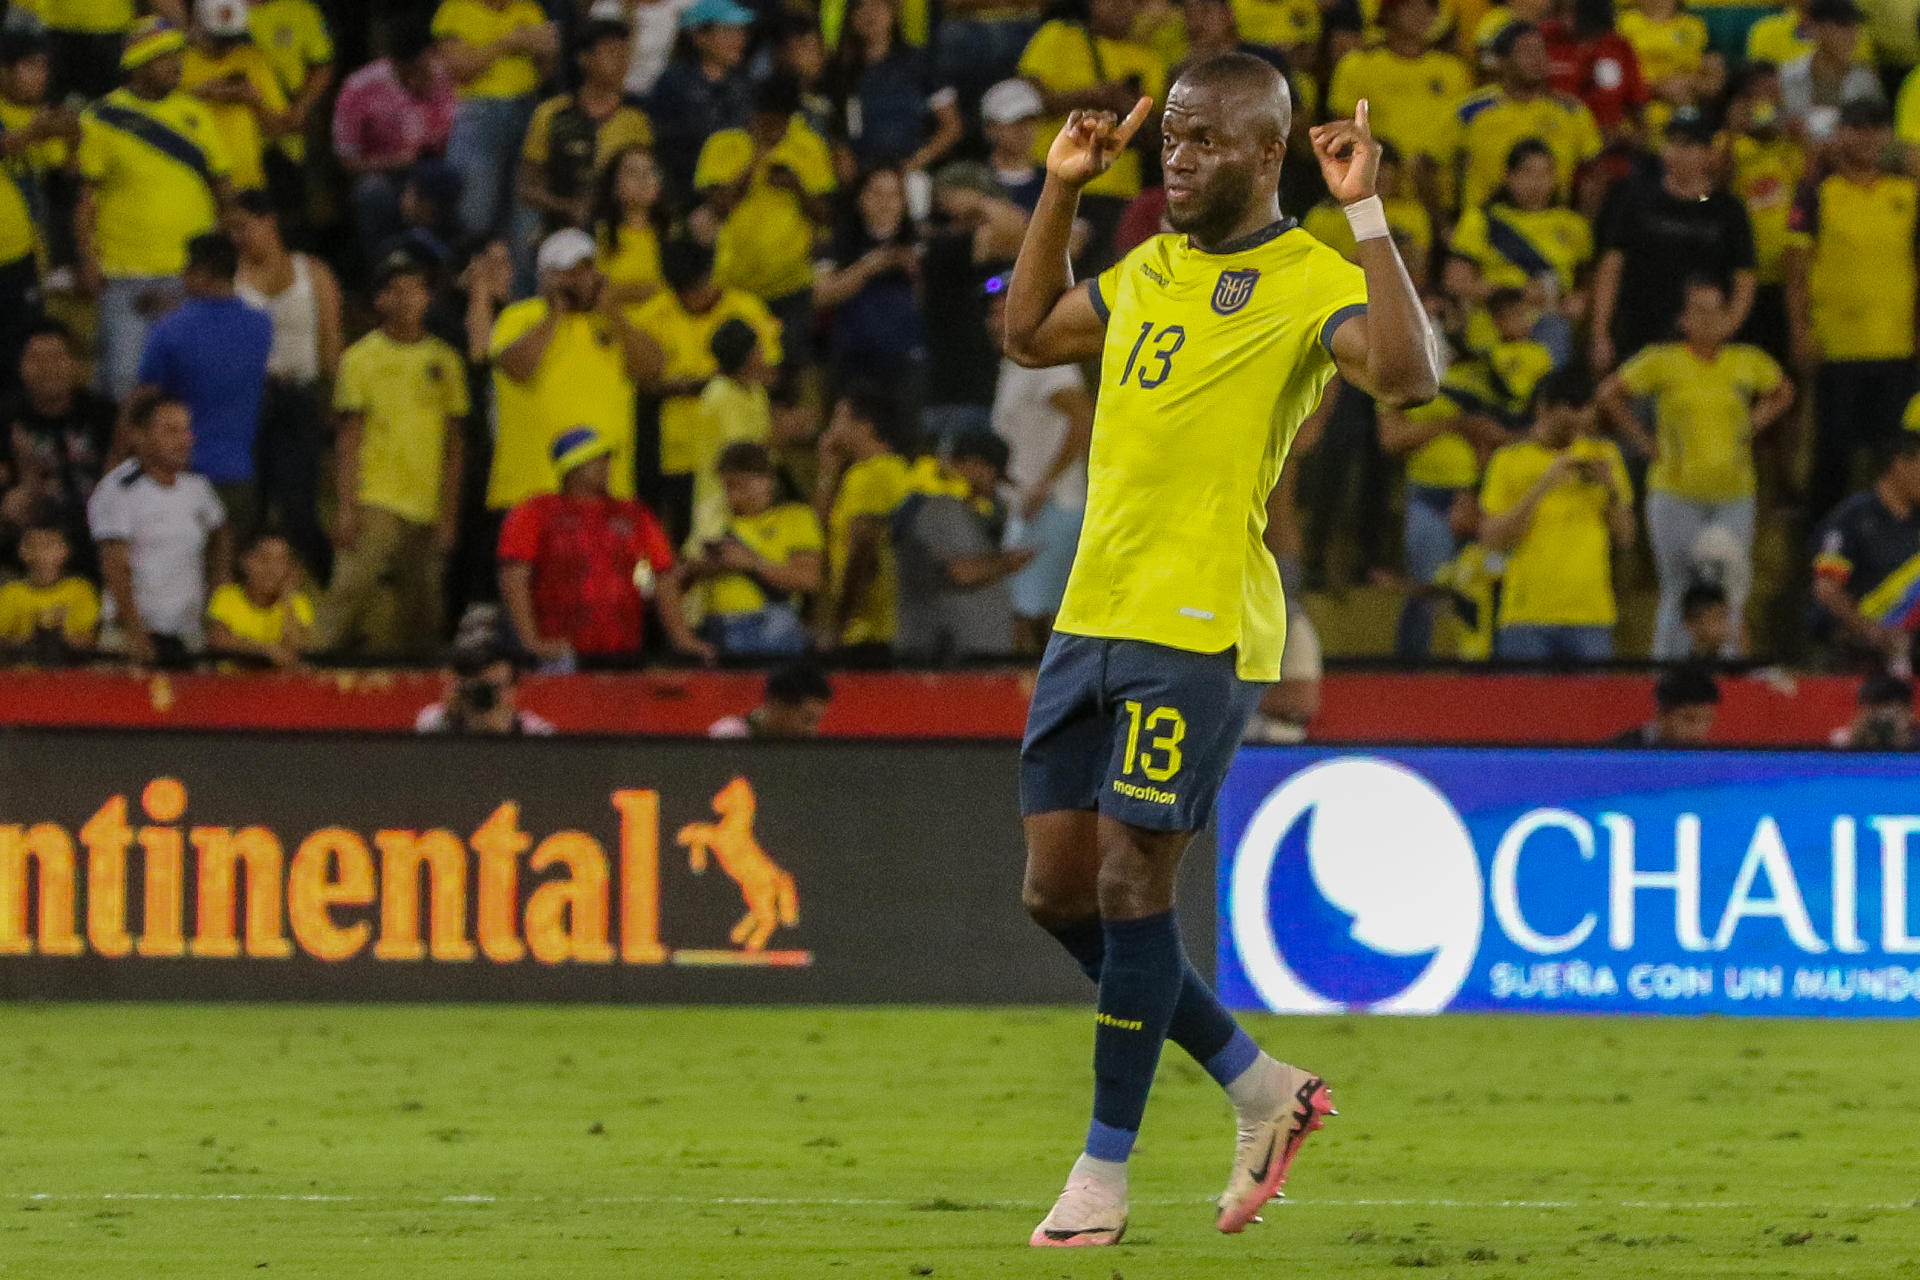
<point>573,135</point>
<point>682,320</point>
<point>1780,38</point>
<point>155,173</point>
<point>1851,289</point>
<point>767,187</point>
<point>1407,219</point>
<point>1521,106</point>
<point>1768,164</point>
<point>1556,504</point>
<point>863,481</point>
<point>498,52</point>
<point>235,79</point>
<point>294,36</point>
<point>734,409</point>
<point>766,556</point>
<point>48,613</point>
<point>627,221</point>
<point>1413,91</point>
<point>401,398</point>
<point>1674,60</point>
<point>1523,238</point>
<point>264,616</point>
<point>1710,401</point>
<point>86,40</point>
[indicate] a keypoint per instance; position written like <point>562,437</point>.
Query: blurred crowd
<point>665,330</point>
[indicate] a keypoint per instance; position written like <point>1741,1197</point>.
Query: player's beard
<point>1221,204</point>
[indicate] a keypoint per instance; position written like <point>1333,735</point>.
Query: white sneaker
<point>1266,1148</point>
<point>1087,1213</point>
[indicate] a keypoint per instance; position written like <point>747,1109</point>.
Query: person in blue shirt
<point>211,355</point>
<point>704,89</point>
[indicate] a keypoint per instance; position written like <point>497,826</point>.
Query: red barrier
<point>1356,708</point>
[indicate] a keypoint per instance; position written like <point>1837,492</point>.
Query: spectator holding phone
<point>770,553</point>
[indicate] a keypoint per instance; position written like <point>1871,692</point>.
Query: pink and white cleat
<point>1087,1213</point>
<point>1266,1148</point>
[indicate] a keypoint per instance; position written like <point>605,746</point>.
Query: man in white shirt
<point>1046,418</point>
<point>163,539</point>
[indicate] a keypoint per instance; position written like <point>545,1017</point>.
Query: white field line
<point>830,1202</point>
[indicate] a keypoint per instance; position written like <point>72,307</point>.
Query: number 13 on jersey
<point>1153,363</point>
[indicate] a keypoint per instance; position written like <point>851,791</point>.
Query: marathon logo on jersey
<point>1235,290</point>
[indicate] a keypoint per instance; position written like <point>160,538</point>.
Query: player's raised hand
<point>1349,157</point>
<point>1091,141</point>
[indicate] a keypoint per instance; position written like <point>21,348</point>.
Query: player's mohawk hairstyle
<point>1248,76</point>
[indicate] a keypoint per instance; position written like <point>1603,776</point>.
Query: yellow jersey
<point>1412,100</point>
<point>776,535</point>
<point>1066,57</point>
<point>1280,23</point>
<point>477,23</point>
<point>404,393</point>
<point>1498,386</point>
<point>234,609</point>
<point>1781,38</point>
<point>1666,48</point>
<point>1407,219</point>
<point>582,382</point>
<point>1703,416</point>
<point>70,604</point>
<point>1491,123</point>
<point>20,198</point>
<point>1561,572</point>
<point>293,35</point>
<point>1861,236</point>
<point>1512,246</point>
<point>41,157</point>
<point>87,17</point>
<point>686,347</point>
<point>631,256</point>
<point>766,244</point>
<point>730,413</point>
<point>1766,174</point>
<point>628,126</point>
<point>873,488</point>
<point>153,166</point>
<point>1212,361</point>
<point>239,128</point>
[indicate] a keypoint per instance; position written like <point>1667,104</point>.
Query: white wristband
<point>1368,218</point>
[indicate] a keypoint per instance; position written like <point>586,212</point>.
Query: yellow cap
<point>150,38</point>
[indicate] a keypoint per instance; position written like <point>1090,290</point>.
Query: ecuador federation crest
<point>1234,290</point>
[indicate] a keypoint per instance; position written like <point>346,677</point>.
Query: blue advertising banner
<point>1425,880</point>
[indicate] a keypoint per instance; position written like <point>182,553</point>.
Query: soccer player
<point>1215,342</point>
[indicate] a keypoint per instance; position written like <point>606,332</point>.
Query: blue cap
<point>716,13</point>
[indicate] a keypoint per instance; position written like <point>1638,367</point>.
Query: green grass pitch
<point>149,1141</point>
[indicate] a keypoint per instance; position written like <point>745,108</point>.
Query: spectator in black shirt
<point>1866,566</point>
<point>1656,235</point>
<point>703,90</point>
<point>1686,699</point>
<point>58,434</point>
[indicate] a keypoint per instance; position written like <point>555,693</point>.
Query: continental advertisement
<point>190,866</point>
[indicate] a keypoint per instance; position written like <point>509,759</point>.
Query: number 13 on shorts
<point>1154,736</point>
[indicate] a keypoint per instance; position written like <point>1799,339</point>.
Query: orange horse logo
<point>768,890</point>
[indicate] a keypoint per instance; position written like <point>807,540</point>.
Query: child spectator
<point>48,614</point>
<point>498,52</point>
<point>734,409</point>
<point>863,481</point>
<point>682,320</point>
<point>767,187</point>
<point>265,615</point>
<point>236,81</point>
<point>575,565</point>
<point>1557,503</point>
<point>163,535</point>
<point>211,354</point>
<point>401,398</point>
<point>1710,401</point>
<point>141,205</point>
<point>769,554</point>
<point>575,134</point>
<point>1709,622</point>
<point>627,220</point>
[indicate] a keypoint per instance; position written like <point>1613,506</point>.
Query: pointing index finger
<point>1123,133</point>
<point>1360,115</point>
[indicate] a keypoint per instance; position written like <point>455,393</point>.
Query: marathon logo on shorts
<point>1235,290</point>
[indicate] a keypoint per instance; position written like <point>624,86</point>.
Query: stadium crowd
<point>669,325</point>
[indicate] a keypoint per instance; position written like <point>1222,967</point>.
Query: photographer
<point>1884,720</point>
<point>482,688</point>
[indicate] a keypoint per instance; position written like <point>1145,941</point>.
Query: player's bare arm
<point>1050,320</point>
<point>1390,352</point>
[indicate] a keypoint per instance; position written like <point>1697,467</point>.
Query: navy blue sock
<point>1140,984</point>
<point>1201,1024</point>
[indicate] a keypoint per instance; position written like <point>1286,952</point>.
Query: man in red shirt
<point>1590,60</point>
<point>575,565</point>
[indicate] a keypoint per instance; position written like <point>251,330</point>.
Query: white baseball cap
<point>565,250</point>
<point>1010,102</point>
<point>222,17</point>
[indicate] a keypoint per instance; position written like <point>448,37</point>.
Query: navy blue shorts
<point>1139,732</point>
